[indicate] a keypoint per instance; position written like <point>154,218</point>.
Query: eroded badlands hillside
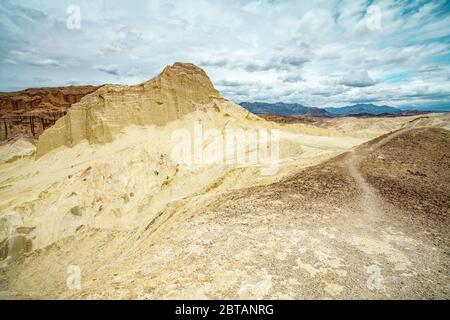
<point>29,112</point>
<point>104,193</point>
<point>99,117</point>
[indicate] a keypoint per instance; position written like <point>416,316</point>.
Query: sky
<point>317,53</point>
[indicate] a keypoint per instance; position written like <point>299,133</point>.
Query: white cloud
<point>312,52</point>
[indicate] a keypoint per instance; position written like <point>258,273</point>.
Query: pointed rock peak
<point>185,79</point>
<point>185,67</point>
<point>187,70</point>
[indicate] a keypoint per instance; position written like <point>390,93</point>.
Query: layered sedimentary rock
<point>99,116</point>
<point>30,112</point>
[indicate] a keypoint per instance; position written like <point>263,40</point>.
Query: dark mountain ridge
<point>357,110</point>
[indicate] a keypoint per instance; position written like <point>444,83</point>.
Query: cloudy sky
<point>318,53</point>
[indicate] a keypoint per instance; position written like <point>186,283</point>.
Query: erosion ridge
<point>31,111</point>
<point>98,117</point>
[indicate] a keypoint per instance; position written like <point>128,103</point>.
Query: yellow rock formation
<point>99,116</point>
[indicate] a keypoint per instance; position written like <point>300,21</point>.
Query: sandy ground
<point>319,229</point>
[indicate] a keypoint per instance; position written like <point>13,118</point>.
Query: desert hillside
<point>343,200</point>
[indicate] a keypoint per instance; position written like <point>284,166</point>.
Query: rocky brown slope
<point>177,91</point>
<point>415,177</point>
<point>30,112</point>
<point>384,206</point>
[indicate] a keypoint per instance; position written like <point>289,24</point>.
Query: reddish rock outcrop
<point>31,111</point>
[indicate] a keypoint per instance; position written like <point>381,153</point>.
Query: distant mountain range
<point>362,109</point>
<point>285,109</point>
<point>296,109</point>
